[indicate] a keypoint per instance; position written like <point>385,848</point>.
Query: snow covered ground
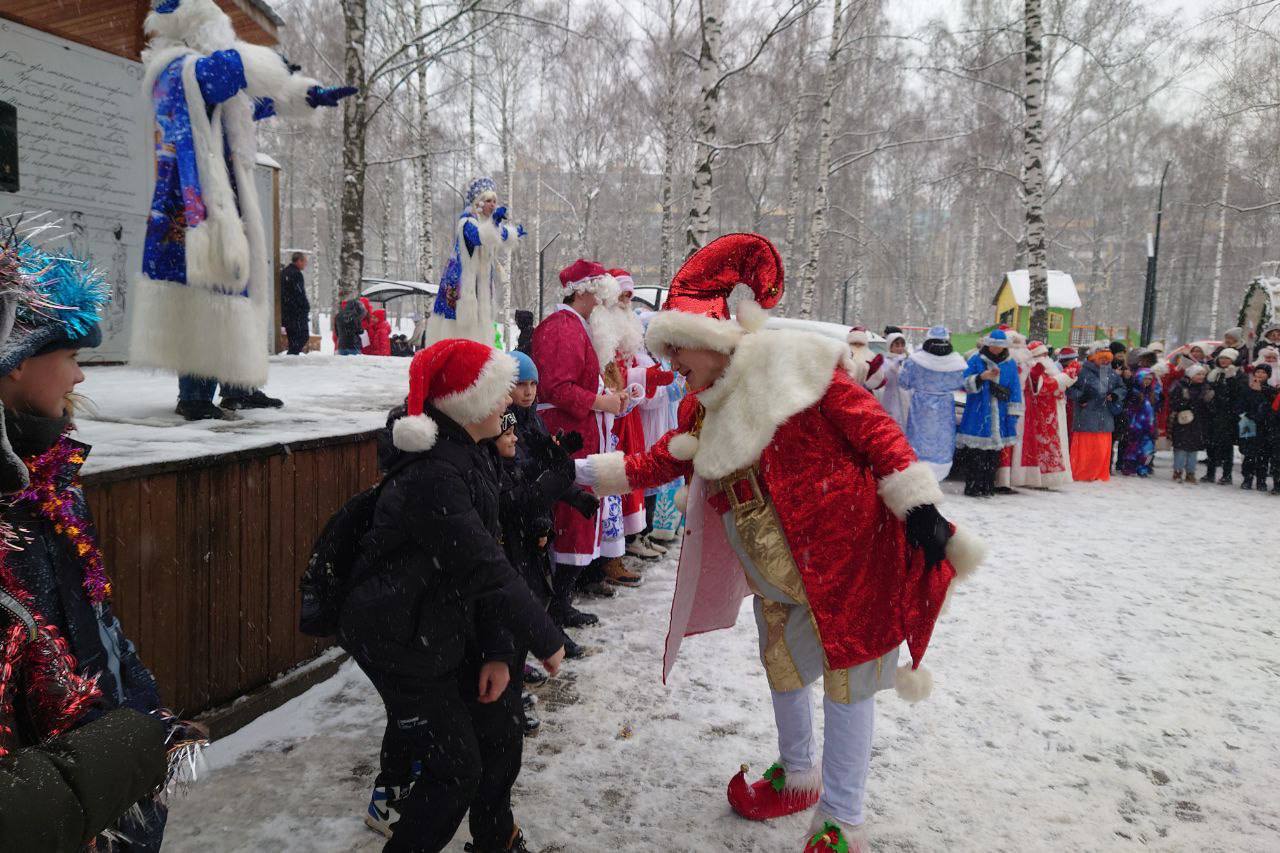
<point>1109,681</point>
<point>133,422</point>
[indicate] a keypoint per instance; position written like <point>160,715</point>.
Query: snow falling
<point>1107,681</point>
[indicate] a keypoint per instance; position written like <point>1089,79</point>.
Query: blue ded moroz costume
<point>202,304</point>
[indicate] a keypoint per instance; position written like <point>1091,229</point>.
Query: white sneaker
<point>383,814</point>
<point>637,548</point>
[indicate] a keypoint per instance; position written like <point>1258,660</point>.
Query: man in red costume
<point>571,397</point>
<point>805,495</point>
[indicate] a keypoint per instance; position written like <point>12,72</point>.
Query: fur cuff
<point>268,76</point>
<point>683,446</point>
<point>913,685</point>
<point>913,486</point>
<point>610,473</point>
<point>414,434</point>
<point>803,782</point>
<point>965,552</point>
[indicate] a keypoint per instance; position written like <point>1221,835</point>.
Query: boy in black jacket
<point>435,612</point>
<point>1254,407</point>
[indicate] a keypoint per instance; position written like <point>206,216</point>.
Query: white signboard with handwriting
<point>84,153</point>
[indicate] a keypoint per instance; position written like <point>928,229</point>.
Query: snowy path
<point>1109,681</point>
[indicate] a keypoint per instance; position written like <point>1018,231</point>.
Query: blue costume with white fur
<point>464,303</point>
<point>202,305</point>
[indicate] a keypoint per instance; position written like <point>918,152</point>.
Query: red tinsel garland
<point>43,669</point>
<point>58,506</point>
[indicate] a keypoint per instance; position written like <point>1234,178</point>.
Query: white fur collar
<point>940,363</point>
<point>773,375</point>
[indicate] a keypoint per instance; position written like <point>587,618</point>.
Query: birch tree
<point>1033,168</point>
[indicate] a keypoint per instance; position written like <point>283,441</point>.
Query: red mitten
<point>655,377</point>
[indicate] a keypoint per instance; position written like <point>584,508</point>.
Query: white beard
<point>606,333</point>
<point>632,341</point>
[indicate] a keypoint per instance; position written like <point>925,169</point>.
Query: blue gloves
<point>499,214</point>
<point>520,232</point>
<point>328,96</point>
<point>471,236</point>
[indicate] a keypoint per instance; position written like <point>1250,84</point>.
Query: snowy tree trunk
<point>794,141</point>
<point>818,222</point>
<point>1033,169</point>
<point>387,186</point>
<point>666,262</point>
<point>426,205</point>
<point>975,241</point>
<point>858,252</point>
<point>1222,244</point>
<point>699,227</point>
<point>354,120</point>
<point>473,156</point>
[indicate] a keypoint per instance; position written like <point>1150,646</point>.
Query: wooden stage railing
<point>205,556</point>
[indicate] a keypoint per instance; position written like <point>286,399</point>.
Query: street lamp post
<point>1153,257</point>
<point>541,268</point>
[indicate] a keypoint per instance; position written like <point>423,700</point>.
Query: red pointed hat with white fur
<point>696,314</point>
<point>463,379</point>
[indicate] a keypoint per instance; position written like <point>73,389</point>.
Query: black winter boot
<point>1247,484</point>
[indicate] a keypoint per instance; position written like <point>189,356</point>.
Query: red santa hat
<point>625,283</point>
<point>582,276</point>
<point>462,379</point>
<point>1037,348</point>
<point>696,314</point>
<point>859,335</point>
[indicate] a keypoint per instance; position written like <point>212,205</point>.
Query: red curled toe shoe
<point>774,795</point>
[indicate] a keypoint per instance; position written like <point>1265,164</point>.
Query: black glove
<point>999,392</point>
<point>584,502</point>
<point>928,531</point>
<point>570,442</point>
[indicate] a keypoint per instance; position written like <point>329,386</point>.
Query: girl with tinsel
<point>67,662</point>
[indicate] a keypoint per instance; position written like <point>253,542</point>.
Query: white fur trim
<point>751,316</point>
<point>671,329</point>
<point>683,446</point>
<point>940,363</point>
<point>913,486</point>
<point>610,471</point>
<point>475,302</point>
<point>858,337</point>
<point>772,376</point>
<point>198,24</point>
<point>485,394</point>
<point>198,332</point>
<point>681,498</point>
<point>268,76</point>
<point>965,552</point>
<point>913,685</point>
<point>803,782</point>
<point>415,434</point>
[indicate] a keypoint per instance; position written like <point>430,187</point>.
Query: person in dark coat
<point>54,568</point>
<point>1253,407</point>
<point>435,612</point>
<point>524,322</point>
<point>1097,397</point>
<point>295,308</point>
<point>348,325</point>
<point>1189,421</point>
<point>1227,380</point>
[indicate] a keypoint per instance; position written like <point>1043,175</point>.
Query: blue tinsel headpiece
<point>164,7</point>
<point>478,187</point>
<point>69,294</point>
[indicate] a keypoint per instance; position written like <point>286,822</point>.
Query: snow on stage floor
<point>1109,681</point>
<point>132,421</point>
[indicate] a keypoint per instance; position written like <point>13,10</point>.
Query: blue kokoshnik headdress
<point>477,187</point>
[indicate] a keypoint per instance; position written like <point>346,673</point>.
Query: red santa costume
<point>1042,460</point>
<point>1007,474</point>
<point>569,374</point>
<point>800,489</point>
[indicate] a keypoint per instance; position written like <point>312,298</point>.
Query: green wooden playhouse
<point>1013,304</point>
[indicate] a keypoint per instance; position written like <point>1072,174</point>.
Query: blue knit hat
<point>938,333</point>
<point>526,370</point>
<point>71,293</point>
<point>997,338</point>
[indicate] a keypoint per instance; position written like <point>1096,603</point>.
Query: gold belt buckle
<point>757,497</point>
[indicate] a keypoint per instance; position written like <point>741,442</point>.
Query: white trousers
<point>846,748</point>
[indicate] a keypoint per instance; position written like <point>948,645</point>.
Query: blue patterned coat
<point>989,423</point>
<point>931,421</point>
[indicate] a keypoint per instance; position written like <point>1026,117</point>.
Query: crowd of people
<point>1036,418</point>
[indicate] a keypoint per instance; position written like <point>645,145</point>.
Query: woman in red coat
<point>805,495</point>
<point>379,334</point>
